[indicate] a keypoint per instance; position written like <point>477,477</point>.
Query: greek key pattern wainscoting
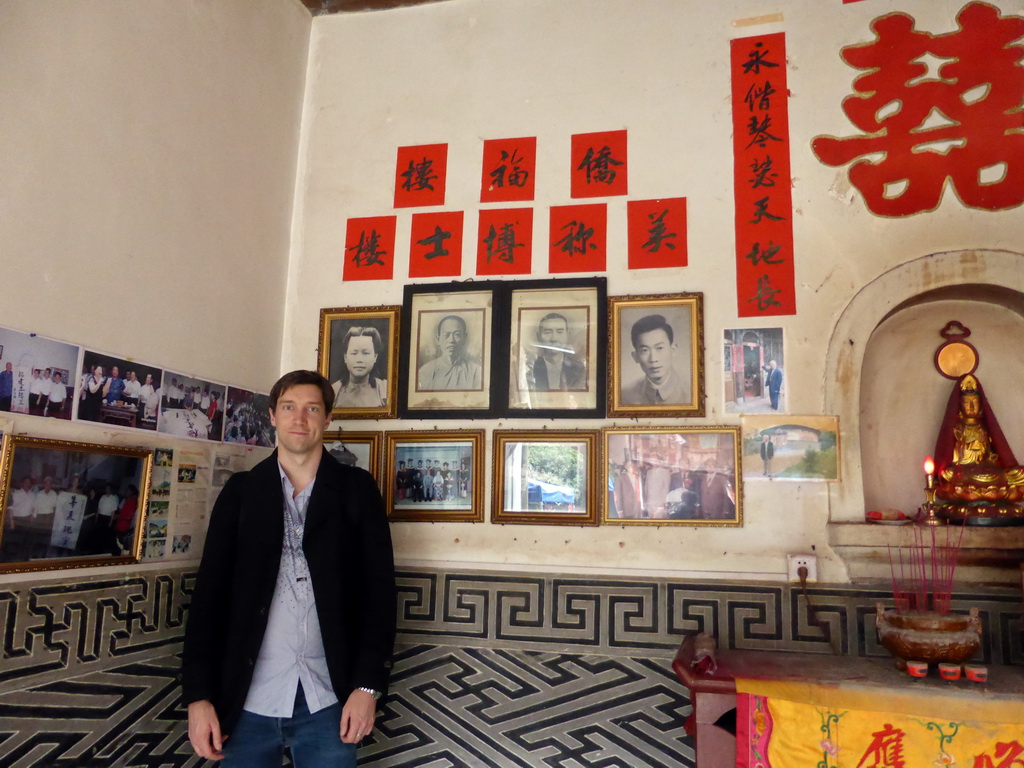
<point>630,616</point>
<point>494,669</point>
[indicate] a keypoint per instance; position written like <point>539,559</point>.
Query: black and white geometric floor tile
<point>448,708</point>
<point>128,716</point>
<point>481,708</point>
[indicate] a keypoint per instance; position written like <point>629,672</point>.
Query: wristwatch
<point>376,694</point>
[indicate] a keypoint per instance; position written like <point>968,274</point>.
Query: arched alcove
<point>880,381</point>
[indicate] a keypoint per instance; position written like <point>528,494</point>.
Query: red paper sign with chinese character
<point>435,247</point>
<point>599,164</point>
<point>509,170</point>
<point>505,242</point>
<point>657,233</point>
<point>579,238</point>
<point>960,124</point>
<point>420,175</point>
<point>370,248</point>
<point>761,178</point>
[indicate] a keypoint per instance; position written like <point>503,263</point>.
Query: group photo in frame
<point>557,333</point>
<point>358,354</point>
<point>356,449</point>
<point>672,476</point>
<point>446,351</point>
<point>545,477</point>
<point>68,504</point>
<point>656,355</point>
<point>434,476</point>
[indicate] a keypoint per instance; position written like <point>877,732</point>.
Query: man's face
<point>47,484</point>
<point>26,484</point>
<point>7,367</point>
<point>654,353</point>
<point>46,373</point>
<point>553,332</point>
<point>115,373</point>
<point>419,465</point>
<point>451,337</point>
<point>56,378</point>
<point>300,419</point>
<point>360,357</point>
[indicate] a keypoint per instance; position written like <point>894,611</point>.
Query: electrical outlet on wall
<point>796,562</point>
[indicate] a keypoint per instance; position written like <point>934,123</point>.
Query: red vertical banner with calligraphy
<point>765,283</point>
<point>370,248</point>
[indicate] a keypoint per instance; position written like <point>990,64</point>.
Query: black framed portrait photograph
<point>434,476</point>
<point>656,355</point>
<point>69,504</point>
<point>545,477</point>
<point>358,354</point>
<point>672,476</point>
<point>446,350</point>
<point>557,332</point>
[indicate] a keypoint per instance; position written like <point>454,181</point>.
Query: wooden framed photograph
<point>557,330</point>
<point>446,350</point>
<point>358,353</point>
<point>356,449</point>
<point>656,355</point>
<point>71,505</point>
<point>434,476</point>
<point>672,476</point>
<point>545,477</point>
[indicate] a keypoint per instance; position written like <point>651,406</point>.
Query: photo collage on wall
<point>53,379</point>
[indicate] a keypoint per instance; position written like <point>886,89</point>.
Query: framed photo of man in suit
<point>672,476</point>
<point>657,355</point>
<point>557,360</point>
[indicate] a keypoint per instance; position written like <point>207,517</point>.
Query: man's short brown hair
<point>298,378</point>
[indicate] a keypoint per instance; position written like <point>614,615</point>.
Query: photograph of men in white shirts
<point>55,397</point>
<point>655,351</point>
<point>452,369</point>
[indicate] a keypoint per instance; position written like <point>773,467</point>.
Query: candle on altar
<point>929,471</point>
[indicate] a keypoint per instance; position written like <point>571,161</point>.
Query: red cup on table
<point>917,668</point>
<point>976,673</point>
<point>949,671</point>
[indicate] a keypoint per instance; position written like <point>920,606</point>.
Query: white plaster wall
<point>147,158</point>
<point>466,70</point>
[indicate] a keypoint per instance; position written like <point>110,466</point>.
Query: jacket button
<point>263,611</point>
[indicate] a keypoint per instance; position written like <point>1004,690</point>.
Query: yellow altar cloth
<point>799,724</point>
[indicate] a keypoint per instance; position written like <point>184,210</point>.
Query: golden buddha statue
<point>977,474</point>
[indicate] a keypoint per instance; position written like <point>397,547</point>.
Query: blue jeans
<point>314,740</point>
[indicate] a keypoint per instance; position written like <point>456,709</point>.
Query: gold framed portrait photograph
<point>545,477</point>
<point>656,355</point>
<point>672,476</point>
<point>358,354</point>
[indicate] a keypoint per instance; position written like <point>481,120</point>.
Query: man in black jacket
<point>292,621</point>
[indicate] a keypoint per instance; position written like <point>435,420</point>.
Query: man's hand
<point>204,730</point>
<point>357,717</point>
